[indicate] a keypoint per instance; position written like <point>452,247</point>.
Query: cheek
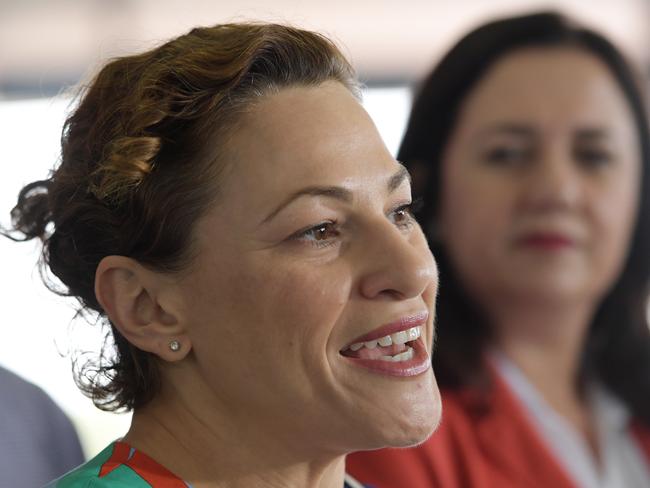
<point>474,205</point>
<point>475,222</point>
<point>279,301</point>
<point>614,216</point>
<point>310,295</point>
<point>478,218</point>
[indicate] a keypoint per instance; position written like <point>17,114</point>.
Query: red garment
<point>484,441</point>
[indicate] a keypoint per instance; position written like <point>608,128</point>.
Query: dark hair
<point>140,163</point>
<point>618,345</point>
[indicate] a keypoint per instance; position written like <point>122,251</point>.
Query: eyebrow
<point>510,128</point>
<point>527,131</point>
<point>337,192</point>
<point>400,175</point>
<point>592,133</point>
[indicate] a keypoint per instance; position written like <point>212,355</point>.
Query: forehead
<point>547,84</point>
<point>306,136</point>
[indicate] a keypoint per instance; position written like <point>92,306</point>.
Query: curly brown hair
<point>140,163</point>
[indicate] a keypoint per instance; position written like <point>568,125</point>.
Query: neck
<point>219,451</point>
<point>546,343</point>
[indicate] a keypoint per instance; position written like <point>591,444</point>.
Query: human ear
<point>136,300</point>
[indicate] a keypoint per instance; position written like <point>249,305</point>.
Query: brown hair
<point>140,164</point>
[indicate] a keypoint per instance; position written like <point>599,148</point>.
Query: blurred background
<point>48,46</point>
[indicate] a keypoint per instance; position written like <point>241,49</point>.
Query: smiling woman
<point>226,205</point>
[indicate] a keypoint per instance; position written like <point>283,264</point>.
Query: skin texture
<point>540,191</point>
<point>259,394</point>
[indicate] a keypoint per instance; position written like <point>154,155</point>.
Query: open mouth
<point>396,347</point>
<point>399,354</point>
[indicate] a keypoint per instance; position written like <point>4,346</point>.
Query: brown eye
<point>324,231</point>
<point>403,216</point>
<point>321,235</point>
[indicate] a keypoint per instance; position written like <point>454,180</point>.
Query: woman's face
<point>309,249</point>
<point>541,180</point>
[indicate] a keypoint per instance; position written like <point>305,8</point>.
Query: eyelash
<point>332,226</point>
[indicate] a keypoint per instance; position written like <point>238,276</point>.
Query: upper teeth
<point>401,337</point>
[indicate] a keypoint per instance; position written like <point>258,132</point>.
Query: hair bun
<point>32,214</point>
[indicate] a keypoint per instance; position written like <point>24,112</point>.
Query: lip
<point>403,323</point>
<point>547,241</point>
<point>417,365</point>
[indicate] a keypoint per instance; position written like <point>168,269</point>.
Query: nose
<point>397,265</point>
<point>555,183</point>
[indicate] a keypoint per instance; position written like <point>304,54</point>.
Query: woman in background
<point>228,207</point>
<point>530,143</point>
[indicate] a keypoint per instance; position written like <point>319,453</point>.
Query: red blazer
<point>484,441</point>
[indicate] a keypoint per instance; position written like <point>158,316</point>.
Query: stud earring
<point>174,345</point>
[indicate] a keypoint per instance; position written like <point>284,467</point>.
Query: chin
<point>409,421</point>
<point>420,427</point>
<point>551,291</point>
<point>413,437</point>
<point>411,434</point>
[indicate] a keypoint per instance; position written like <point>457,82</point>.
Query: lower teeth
<point>403,356</point>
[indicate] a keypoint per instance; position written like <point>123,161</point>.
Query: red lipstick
<point>399,325</point>
<point>418,363</point>
<point>547,241</point>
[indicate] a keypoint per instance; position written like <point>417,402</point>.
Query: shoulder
<point>88,474</point>
<point>26,398</point>
<point>350,482</point>
<point>34,428</point>
<point>18,386</point>
<point>120,465</point>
